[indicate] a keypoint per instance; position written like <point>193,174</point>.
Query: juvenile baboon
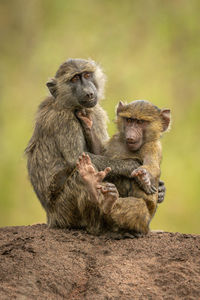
<point>140,126</point>
<point>58,140</point>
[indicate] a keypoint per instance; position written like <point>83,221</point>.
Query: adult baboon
<point>58,140</point>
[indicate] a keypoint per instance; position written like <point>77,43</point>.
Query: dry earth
<point>41,263</point>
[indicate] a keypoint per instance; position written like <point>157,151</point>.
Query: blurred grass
<point>148,49</point>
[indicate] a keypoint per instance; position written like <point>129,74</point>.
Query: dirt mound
<point>41,263</point>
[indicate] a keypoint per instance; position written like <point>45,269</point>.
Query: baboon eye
<point>130,120</point>
<point>87,75</point>
<point>140,121</point>
<point>75,78</point>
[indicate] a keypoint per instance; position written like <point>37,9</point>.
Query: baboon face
<point>78,83</point>
<point>140,121</point>
<point>134,133</point>
<point>84,89</point>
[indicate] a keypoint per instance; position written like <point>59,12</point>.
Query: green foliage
<point>148,49</point>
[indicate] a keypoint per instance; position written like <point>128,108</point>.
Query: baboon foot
<point>110,193</point>
<point>90,176</point>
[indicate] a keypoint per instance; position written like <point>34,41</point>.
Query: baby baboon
<point>140,126</point>
<point>58,140</point>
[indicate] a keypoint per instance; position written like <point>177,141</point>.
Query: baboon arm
<point>151,156</point>
<point>118,167</point>
<point>153,169</point>
<point>71,143</point>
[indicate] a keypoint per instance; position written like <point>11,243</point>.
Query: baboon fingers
<point>154,189</point>
<point>109,190</point>
<point>81,162</point>
<point>102,174</point>
<point>110,185</point>
<point>146,180</point>
<point>87,159</point>
<point>107,170</point>
<point>80,159</point>
<point>134,173</point>
<point>84,159</point>
<point>142,171</point>
<point>161,194</point>
<point>161,188</point>
<point>160,199</point>
<point>139,172</point>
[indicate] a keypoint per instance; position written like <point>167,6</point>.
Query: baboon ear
<point>119,107</point>
<point>51,84</point>
<point>166,118</point>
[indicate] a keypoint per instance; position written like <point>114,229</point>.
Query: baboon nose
<point>130,140</point>
<point>90,95</point>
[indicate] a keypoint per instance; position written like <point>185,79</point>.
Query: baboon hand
<point>161,191</point>
<point>85,118</point>
<point>143,178</point>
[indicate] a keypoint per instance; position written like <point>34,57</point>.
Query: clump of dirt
<point>41,263</point>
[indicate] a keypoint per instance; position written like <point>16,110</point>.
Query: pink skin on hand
<point>142,175</point>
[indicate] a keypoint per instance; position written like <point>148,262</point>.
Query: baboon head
<point>78,83</point>
<point>140,121</point>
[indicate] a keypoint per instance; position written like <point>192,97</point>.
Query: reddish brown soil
<point>41,263</point>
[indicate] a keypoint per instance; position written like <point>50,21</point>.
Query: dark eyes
<point>87,75</point>
<point>140,121</point>
<point>77,77</point>
<point>131,120</point>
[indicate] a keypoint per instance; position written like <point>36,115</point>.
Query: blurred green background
<point>149,49</point>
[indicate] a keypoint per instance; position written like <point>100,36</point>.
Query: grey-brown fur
<point>55,146</point>
<point>134,209</point>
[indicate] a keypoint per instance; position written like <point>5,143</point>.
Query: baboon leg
<point>104,194</point>
<point>150,200</point>
<point>131,214</point>
<point>127,213</point>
